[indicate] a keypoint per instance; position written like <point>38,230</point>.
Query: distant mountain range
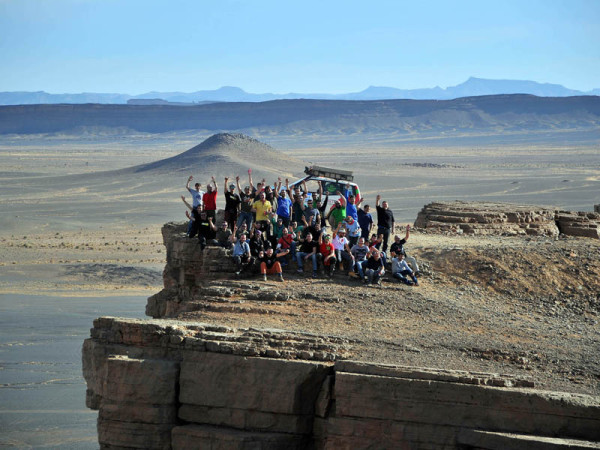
<point>495,114</point>
<point>471,87</point>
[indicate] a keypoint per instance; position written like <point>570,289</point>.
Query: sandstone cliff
<point>180,382</point>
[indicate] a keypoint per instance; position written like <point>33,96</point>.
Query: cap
<point>232,186</point>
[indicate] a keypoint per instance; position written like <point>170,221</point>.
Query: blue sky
<point>135,46</point>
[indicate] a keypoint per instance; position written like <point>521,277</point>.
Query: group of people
<point>270,227</point>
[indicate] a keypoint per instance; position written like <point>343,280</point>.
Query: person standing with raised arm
<point>284,204</point>
<point>210,199</point>
<point>385,221</point>
<point>196,199</point>
<point>232,204</point>
<point>246,204</point>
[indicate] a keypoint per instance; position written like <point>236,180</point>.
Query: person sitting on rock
<point>269,264</point>
<point>353,230</point>
<point>361,252</point>
<point>204,227</point>
<point>257,243</point>
<point>224,236</point>
<point>316,230</point>
<point>232,204</point>
<point>297,230</point>
<point>402,272</point>
<point>286,246</point>
<point>327,254</point>
<point>277,227</point>
<point>193,215</point>
<point>210,199</point>
<point>375,244</point>
<point>397,248</point>
<point>242,257</point>
<point>242,229</point>
<point>342,250</point>
<point>374,268</point>
<point>308,249</point>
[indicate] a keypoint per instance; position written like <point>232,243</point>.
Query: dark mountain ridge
<point>498,113</point>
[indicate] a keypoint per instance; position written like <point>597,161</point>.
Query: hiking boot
<point>314,275</point>
<point>265,277</point>
<point>379,282</point>
<point>300,271</point>
<point>280,277</point>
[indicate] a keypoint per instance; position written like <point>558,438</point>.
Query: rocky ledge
<point>507,219</point>
<point>165,384</point>
<point>229,364</point>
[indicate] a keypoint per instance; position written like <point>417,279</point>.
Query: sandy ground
<point>124,260</point>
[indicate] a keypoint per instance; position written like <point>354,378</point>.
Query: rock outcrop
<point>584,224</point>
<point>163,383</point>
<point>506,219</point>
<point>166,384</point>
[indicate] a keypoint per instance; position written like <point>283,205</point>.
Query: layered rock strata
<point>166,384</point>
<point>506,219</point>
<point>584,224</point>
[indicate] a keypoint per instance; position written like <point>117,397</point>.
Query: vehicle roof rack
<point>336,174</point>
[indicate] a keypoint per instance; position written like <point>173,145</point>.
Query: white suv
<point>333,180</point>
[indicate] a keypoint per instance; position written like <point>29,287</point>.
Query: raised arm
<point>225,185</point>
<point>342,199</point>
<point>214,182</point>
<point>187,185</point>
<point>335,232</point>
<point>377,200</point>
<point>237,182</point>
<point>407,233</point>
<point>276,187</point>
<point>287,188</point>
<point>304,221</point>
<point>211,224</point>
<point>186,203</point>
<point>250,179</point>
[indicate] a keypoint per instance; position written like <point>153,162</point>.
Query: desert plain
<point>80,236</point>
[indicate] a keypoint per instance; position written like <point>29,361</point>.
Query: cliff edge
<point>508,321</point>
